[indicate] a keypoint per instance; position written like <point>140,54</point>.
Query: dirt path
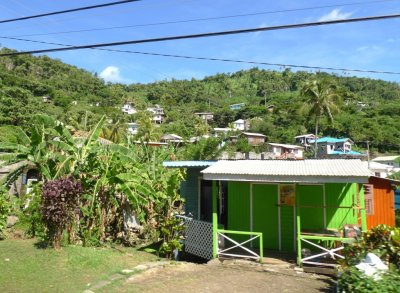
<point>189,277</point>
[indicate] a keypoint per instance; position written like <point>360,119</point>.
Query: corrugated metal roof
<point>253,134</point>
<point>386,158</point>
<point>288,171</point>
<point>187,164</point>
<point>347,153</point>
<point>331,139</point>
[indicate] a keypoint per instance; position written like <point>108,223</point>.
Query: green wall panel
<point>311,201</point>
<point>265,214</point>
<point>287,228</point>
<point>239,208</point>
<point>340,194</point>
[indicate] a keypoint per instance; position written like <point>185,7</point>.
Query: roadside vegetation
<point>79,99</point>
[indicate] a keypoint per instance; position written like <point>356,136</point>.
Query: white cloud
<point>365,48</point>
<point>335,14</point>
<point>111,74</point>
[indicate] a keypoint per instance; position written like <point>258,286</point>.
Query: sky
<point>373,45</point>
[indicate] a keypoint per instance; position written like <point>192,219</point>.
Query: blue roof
<point>187,164</point>
<point>347,153</point>
<point>331,139</point>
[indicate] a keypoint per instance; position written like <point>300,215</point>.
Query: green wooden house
<point>280,205</point>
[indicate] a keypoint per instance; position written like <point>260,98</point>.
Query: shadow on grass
<point>152,248</point>
<point>42,244</point>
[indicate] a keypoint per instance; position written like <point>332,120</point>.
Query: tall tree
<point>321,98</point>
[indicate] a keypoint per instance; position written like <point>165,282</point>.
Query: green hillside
<point>369,109</point>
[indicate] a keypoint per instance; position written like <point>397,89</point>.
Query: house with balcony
<point>305,139</point>
<point>331,146</point>
<point>129,109</point>
<point>286,151</point>
<point>158,114</point>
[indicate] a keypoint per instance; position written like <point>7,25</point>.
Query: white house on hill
<point>240,125</point>
<point>286,151</point>
<point>129,109</point>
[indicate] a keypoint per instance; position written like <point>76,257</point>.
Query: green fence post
<point>214,219</point>
<point>261,248</point>
<point>298,236</point>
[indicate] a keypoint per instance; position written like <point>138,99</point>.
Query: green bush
<point>382,240</point>
<point>353,280</point>
<point>398,218</point>
<point>171,230</point>
<point>5,209</point>
<point>31,217</point>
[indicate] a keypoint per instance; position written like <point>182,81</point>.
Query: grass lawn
<point>26,268</point>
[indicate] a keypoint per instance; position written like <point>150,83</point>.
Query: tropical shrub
<point>382,240</point>
<point>353,280</point>
<point>5,209</point>
<point>171,231</point>
<point>59,201</point>
<point>31,213</point>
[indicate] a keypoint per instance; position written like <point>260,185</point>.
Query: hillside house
<point>129,109</point>
<point>379,170</point>
<point>46,99</point>
<point>286,151</point>
<point>132,128</point>
<point>240,124</point>
<point>254,139</point>
<point>158,114</point>
<point>393,161</point>
<point>335,146</point>
<point>237,106</point>
<point>305,139</point>
<point>205,116</point>
<point>172,138</point>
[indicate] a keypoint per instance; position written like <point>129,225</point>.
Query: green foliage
<point>398,218</point>
<point>353,280</point>
<point>204,149</point>
<point>5,209</point>
<point>171,230</point>
<point>382,240</point>
<point>31,214</point>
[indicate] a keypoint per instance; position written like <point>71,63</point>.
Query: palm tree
<point>321,99</point>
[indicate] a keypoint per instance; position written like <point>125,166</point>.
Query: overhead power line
<point>68,11</point>
<point>202,19</point>
<point>221,59</point>
<point>209,34</point>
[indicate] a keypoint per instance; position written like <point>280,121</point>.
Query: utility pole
<point>368,152</point>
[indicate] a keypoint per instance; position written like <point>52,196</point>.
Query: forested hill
<point>370,108</point>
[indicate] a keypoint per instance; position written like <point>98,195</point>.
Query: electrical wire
<point>68,11</point>
<point>209,34</point>
<point>201,19</point>
<point>221,59</point>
